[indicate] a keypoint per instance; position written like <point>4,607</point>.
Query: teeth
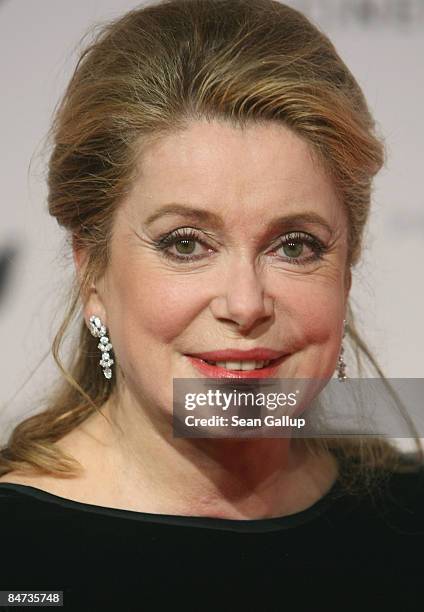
<point>251,365</point>
<point>241,365</point>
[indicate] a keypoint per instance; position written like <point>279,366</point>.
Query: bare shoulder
<point>89,486</point>
<point>81,489</point>
<point>50,484</point>
<point>16,478</point>
<point>34,478</point>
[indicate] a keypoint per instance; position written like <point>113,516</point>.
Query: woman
<point>212,162</point>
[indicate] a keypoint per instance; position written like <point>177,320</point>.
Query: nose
<point>243,299</point>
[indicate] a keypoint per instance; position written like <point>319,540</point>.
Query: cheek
<point>167,311</point>
<point>317,312</point>
<point>156,307</point>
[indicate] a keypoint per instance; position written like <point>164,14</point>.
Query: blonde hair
<point>147,74</point>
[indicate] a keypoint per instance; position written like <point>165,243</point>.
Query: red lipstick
<point>257,354</point>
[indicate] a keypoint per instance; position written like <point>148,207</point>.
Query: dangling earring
<point>341,366</point>
<point>98,330</point>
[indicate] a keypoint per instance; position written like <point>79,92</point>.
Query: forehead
<point>215,165</point>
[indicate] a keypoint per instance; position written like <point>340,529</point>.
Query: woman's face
<point>260,262</point>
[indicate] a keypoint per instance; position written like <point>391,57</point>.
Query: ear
<point>92,300</point>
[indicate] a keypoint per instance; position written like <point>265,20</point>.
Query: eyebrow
<point>215,220</point>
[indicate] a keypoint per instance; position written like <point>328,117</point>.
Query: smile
<point>241,365</point>
<point>237,369</point>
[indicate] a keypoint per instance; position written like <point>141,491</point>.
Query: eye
<point>184,241</point>
<point>293,249</point>
<point>185,246</point>
<point>300,248</point>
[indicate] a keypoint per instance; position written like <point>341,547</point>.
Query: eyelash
<point>164,243</point>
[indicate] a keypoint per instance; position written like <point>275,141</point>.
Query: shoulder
<point>19,510</point>
<point>29,479</point>
<point>12,497</point>
<point>25,491</point>
<point>394,505</point>
<point>406,483</point>
<point>18,478</point>
<point>81,486</point>
<point>406,488</point>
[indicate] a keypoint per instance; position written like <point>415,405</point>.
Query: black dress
<point>343,553</point>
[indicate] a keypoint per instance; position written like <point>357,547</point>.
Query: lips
<point>255,354</point>
<point>215,371</point>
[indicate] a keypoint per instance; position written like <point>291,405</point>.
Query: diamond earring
<point>98,330</point>
<point>341,366</point>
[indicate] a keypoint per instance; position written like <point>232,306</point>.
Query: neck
<point>227,478</point>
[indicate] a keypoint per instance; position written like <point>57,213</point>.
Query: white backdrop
<point>380,40</point>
